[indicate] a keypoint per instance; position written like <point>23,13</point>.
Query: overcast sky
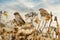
<point>31,5</point>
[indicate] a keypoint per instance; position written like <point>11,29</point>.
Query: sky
<point>31,5</point>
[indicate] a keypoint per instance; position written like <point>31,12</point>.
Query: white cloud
<point>29,4</point>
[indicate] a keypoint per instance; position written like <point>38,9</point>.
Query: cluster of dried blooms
<point>24,30</point>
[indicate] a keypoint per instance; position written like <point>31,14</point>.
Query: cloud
<point>14,6</point>
<point>29,3</point>
<point>54,2</point>
<point>22,5</point>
